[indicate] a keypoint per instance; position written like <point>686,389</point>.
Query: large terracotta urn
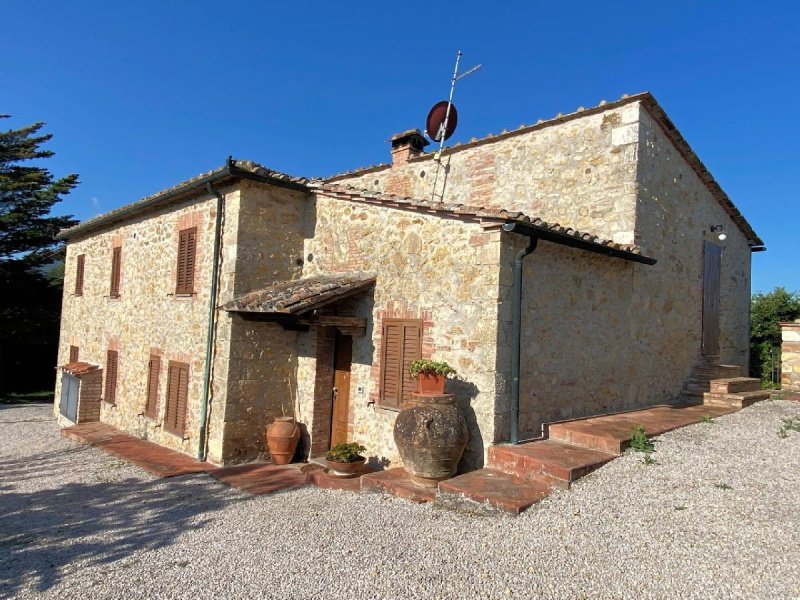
<point>282,436</point>
<point>431,435</point>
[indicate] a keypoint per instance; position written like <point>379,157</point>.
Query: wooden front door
<point>342,360</point>
<point>712,265</point>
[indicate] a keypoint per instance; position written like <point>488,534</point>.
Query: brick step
<point>717,371</point>
<point>736,399</point>
<point>557,462</point>
<point>734,385</point>
<point>396,482</point>
<point>612,433</point>
<point>491,490</point>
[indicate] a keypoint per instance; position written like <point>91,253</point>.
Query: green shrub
<point>345,453</point>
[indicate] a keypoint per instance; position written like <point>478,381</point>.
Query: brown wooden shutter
<point>79,268</point>
<point>73,354</point>
<point>401,344</point>
<point>177,398</point>
<point>111,377</point>
<point>153,372</point>
<point>187,251</point>
<point>116,270</point>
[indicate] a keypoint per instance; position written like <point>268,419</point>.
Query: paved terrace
<point>716,516</point>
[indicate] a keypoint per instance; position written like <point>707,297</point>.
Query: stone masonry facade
<point>599,334</point>
<point>790,356</point>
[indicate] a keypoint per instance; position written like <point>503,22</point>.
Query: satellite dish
<point>436,119</point>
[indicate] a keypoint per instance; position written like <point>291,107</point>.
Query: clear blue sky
<point>141,95</point>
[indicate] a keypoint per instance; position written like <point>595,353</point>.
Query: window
<point>79,267</point>
<point>153,372</point>
<point>73,354</point>
<point>401,344</point>
<point>116,264</point>
<point>111,376</point>
<point>177,394</point>
<point>187,247</point>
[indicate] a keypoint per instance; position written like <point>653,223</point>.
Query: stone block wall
<point>147,318</point>
<point>580,173</point>
<point>790,356</point>
<point>675,211</point>
<point>255,362</point>
<point>442,271</point>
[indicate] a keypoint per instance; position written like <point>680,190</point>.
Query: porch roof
<point>299,296</point>
<point>79,368</point>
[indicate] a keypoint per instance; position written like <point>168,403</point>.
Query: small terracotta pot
<point>430,384</point>
<point>282,436</point>
<point>346,469</point>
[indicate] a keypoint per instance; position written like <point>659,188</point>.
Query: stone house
<point>565,269</point>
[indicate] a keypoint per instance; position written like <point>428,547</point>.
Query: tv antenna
<point>441,124</point>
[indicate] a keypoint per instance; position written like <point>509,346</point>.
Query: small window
<point>153,372</point>
<point>79,268</point>
<point>111,376</point>
<point>177,398</point>
<point>73,354</point>
<point>187,248</point>
<point>401,344</point>
<point>116,271</point>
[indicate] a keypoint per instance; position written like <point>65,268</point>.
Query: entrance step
<point>734,385</point>
<point>491,490</point>
<point>699,381</point>
<point>397,483</point>
<point>557,462</point>
<point>613,433</point>
<point>735,400</point>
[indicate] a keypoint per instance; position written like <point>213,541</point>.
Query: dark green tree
<point>766,312</point>
<point>30,301</point>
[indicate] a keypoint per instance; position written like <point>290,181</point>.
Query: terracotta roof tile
<point>299,296</point>
<point>79,368</point>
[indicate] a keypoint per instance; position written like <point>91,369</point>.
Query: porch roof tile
<point>292,298</point>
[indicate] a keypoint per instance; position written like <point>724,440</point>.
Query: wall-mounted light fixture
<point>721,235</point>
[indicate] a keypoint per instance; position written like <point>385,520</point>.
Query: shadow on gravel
<point>44,534</point>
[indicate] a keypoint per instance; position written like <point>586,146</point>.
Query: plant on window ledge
<point>345,459</point>
<point>431,375</point>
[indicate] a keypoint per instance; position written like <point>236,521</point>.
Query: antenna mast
<point>442,133</point>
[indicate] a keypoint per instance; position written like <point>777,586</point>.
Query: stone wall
<point>147,317</point>
<point>580,173</point>
<point>442,271</point>
<point>675,211</point>
<point>790,356</point>
<point>255,362</point>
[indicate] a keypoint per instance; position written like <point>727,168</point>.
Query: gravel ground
<point>718,516</point>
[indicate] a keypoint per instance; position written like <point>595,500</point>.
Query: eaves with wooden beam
<point>299,304</point>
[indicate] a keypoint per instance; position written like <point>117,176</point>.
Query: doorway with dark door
<point>712,265</point>
<point>340,409</point>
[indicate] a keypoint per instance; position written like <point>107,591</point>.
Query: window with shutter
<point>111,377</point>
<point>401,344</point>
<point>177,398</point>
<point>151,402</point>
<point>116,271</point>
<point>187,249</point>
<point>79,268</point>
<point>73,354</point>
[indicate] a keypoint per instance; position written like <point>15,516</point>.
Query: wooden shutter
<point>187,250</point>
<point>73,354</point>
<point>79,268</point>
<point>116,264</point>
<point>177,398</point>
<point>111,377</point>
<point>153,372</point>
<point>401,344</point>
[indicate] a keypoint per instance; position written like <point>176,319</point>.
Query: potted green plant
<point>345,459</point>
<point>431,375</point>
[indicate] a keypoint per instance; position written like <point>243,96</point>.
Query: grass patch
<point>723,486</point>
<point>681,507</point>
<point>790,424</point>
<point>641,443</point>
<point>707,419</point>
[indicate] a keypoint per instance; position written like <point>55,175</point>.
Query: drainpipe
<point>212,313</point>
<point>516,325</point>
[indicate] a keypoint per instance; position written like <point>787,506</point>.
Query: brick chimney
<point>407,144</point>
